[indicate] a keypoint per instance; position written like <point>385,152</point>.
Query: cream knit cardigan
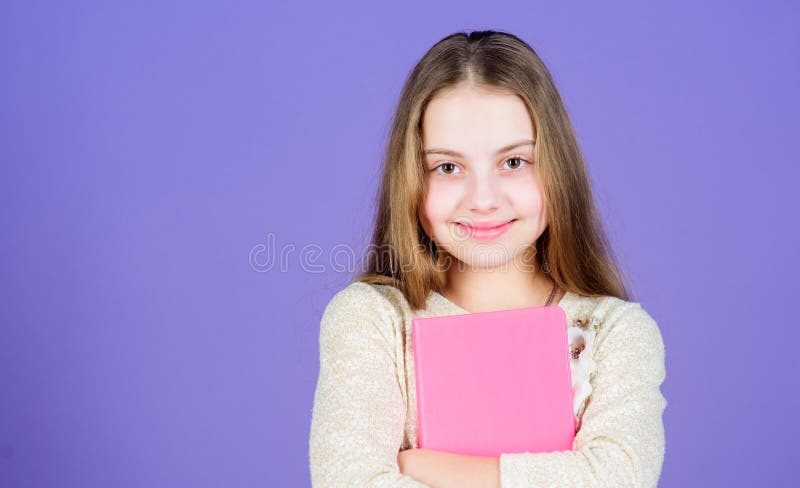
<point>364,409</point>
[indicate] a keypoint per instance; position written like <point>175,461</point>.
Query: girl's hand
<point>407,461</point>
<point>443,469</point>
<point>423,465</point>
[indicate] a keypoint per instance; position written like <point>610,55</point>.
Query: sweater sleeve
<point>359,413</point>
<point>621,439</point>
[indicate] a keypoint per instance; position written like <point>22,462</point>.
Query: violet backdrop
<point>152,151</point>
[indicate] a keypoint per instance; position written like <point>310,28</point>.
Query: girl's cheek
<point>526,189</point>
<point>427,213</point>
<point>446,189</point>
<point>441,202</point>
<point>525,181</point>
<point>531,202</point>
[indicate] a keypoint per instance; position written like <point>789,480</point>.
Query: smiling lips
<point>485,231</point>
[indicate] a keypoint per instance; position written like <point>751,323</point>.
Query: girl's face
<point>483,205</point>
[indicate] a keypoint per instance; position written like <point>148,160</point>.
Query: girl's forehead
<point>476,106</point>
<point>476,124</point>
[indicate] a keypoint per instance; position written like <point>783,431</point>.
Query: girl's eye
<point>449,168</point>
<point>517,165</point>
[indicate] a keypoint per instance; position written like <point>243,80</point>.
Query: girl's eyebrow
<point>449,152</point>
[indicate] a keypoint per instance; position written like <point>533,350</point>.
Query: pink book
<point>494,382</point>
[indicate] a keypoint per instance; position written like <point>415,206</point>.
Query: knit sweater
<point>364,409</point>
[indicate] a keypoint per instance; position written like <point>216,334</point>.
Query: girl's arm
<point>621,439</point>
<point>443,469</point>
<point>358,417</point>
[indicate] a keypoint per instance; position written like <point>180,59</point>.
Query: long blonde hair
<point>574,244</point>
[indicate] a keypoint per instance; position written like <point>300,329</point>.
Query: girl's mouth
<point>485,231</point>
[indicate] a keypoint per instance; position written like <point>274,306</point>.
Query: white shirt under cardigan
<point>364,409</point>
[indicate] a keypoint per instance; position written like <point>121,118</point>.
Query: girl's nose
<point>484,194</point>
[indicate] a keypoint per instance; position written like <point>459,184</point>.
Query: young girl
<point>485,204</point>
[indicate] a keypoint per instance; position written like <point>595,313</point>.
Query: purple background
<point>149,149</point>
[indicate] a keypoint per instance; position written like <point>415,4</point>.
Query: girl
<point>485,204</point>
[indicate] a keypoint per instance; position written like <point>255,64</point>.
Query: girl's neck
<point>501,288</point>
